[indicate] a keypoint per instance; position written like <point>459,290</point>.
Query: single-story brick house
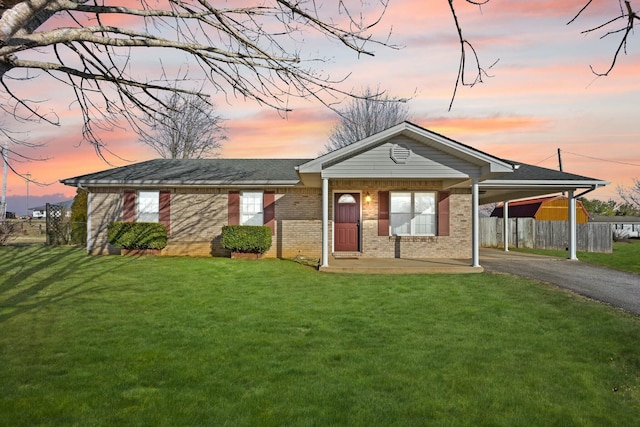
<point>404,192</point>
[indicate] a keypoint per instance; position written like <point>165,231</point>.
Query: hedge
<point>137,235</point>
<point>255,239</point>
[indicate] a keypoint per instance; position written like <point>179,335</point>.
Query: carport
<point>531,181</point>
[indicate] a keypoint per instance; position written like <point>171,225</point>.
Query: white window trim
<point>413,213</point>
<point>255,215</point>
<point>148,206</point>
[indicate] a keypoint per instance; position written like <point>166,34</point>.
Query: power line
<point>597,158</point>
<point>544,160</point>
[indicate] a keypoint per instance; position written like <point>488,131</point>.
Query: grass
<point>104,341</point>
<point>625,256</point>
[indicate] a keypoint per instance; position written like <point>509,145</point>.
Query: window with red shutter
<point>443,213</point>
<point>129,206</point>
<point>233,210</point>
<point>269,202</point>
<point>383,213</point>
<point>165,209</point>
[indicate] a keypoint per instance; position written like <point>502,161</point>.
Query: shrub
<point>255,239</point>
<point>7,229</point>
<point>79,217</point>
<point>137,235</point>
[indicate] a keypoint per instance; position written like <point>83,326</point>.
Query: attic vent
<point>400,154</point>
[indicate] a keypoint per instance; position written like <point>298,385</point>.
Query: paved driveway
<point>613,287</point>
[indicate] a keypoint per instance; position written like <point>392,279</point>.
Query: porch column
<point>505,225</point>
<point>325,222</point>
<point>572,226</point>
<point>475,225</point>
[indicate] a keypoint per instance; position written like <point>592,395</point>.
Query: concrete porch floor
<point>400,266</point>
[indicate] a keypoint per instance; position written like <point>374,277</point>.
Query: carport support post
<point>475,225</point>
<point>325,222</point>
<point>505,225</point>
<point>572,226</point>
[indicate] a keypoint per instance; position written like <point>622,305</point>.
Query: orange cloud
<point>483,125</point>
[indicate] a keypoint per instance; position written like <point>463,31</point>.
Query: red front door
<point>346,234</point>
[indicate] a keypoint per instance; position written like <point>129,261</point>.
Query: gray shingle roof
<point>197,172</point>
<point>536,173</point>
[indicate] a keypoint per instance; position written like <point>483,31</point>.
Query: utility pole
<point>5,166</point>
<point>560,163</point>
<point>559,160</point>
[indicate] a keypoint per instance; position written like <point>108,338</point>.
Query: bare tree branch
<point>626,14</point>
<point>467,49</point>
<point>466,46</point>
<point>253,52</point>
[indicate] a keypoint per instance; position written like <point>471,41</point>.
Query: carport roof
<point>531,181</point>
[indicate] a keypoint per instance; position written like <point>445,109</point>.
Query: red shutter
<point>443,213</point>
<point>269,202</point>
<point>165,209</point>
<point>129,206</point>
<point>234,208</point>
<point>383,213</point>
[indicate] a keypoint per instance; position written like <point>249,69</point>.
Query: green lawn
<point>625,256</point>
<point>117,341</point>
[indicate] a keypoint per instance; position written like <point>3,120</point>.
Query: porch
<point>399,266</point>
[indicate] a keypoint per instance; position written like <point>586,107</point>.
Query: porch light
<point>367,198</point>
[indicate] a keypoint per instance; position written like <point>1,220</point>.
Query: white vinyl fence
<point>529,233</point>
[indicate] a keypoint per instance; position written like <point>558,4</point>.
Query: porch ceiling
<point>493,195</point>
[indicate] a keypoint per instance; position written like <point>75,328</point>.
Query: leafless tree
<point>239,49</point>
<point>631,195</point>
<point>189,129</point>
<point>365,115</point>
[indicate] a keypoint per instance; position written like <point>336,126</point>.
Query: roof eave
<point>163,183</point>
<point>544,183</point>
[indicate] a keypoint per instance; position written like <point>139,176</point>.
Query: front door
<point>346,235</point>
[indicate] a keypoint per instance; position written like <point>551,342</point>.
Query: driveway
<point>613,287</point>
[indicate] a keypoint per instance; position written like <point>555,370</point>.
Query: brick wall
<point>105,208</point>
<point>456,245</point>
<point>198,215</point>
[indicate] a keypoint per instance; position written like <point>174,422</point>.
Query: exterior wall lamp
<point>367,198</point>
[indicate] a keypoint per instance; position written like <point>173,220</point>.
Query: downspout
<point>325,223</point>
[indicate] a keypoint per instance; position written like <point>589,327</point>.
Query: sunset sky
<point>542,96</point>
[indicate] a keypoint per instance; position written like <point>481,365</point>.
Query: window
<point>347,198</point>
<point>148,206</point>
<point>413,213</point>
<point>251,211</point>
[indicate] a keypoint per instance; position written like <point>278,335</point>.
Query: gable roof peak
<point>420,135</point>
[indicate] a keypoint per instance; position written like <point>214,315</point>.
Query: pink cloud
<point>266,135</point>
